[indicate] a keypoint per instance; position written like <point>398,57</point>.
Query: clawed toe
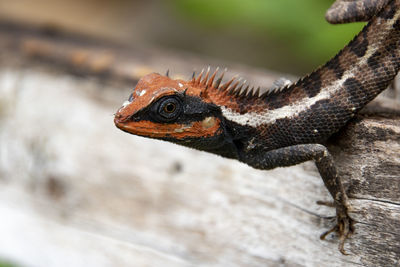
<point>333,229</point>
<point>344,228</point>
<point>326,203</point>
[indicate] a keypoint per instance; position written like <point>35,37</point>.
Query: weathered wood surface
<point>75,191</point>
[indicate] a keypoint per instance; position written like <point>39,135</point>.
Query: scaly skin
<point>343,11</point>
<point>284,126</point>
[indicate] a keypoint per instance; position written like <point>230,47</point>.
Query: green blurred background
<point>288,36</point>
<point>6,264</point>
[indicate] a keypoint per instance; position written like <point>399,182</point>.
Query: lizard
<point>284,126</point>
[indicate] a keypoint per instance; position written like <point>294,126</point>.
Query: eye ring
<point>169,107</point>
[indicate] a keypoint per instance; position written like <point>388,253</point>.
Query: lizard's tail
<point>344,11</point>
<point>333,93</point>
<point>362,69</point>
<point>369,62</point>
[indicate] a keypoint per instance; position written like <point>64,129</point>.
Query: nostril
<point>118,116</point>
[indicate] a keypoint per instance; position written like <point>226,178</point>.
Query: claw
<point>330,204</point>
<point>324,234</point>
<point>344,228</point>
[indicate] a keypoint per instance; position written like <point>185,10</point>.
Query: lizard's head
<point>183,112</point>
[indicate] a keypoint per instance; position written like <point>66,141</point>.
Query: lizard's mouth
<point>176,131</point>
<point>154,130</point>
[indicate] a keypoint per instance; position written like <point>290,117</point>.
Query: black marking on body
<point>359,46</point>
<point>279,98</point>
<point>312,84</point>
<point>355,90</point>
<point>388,13</point>
<point>396,25</point>
<point>374,60</point>
<point>335,65</point>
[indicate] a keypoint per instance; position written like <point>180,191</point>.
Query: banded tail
<point>345,84</point>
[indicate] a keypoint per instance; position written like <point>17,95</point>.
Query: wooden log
<point>75,191</point>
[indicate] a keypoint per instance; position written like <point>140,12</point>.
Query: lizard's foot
<point>344,227</point>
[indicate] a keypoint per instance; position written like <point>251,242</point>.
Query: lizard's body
<point>282,127</point>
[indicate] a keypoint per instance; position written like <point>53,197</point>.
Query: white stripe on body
<point>255,119</point>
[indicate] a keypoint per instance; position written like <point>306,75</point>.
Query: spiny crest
<point>278,86</point>
<point>235,86</point>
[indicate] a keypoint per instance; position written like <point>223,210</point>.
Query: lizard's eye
<point>168,108</point>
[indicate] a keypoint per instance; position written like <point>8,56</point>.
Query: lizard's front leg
<point>292,155</point>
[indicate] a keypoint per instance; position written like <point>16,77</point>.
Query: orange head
<point>183,112</point>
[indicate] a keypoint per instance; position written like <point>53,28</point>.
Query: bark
<point>75,191</point>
